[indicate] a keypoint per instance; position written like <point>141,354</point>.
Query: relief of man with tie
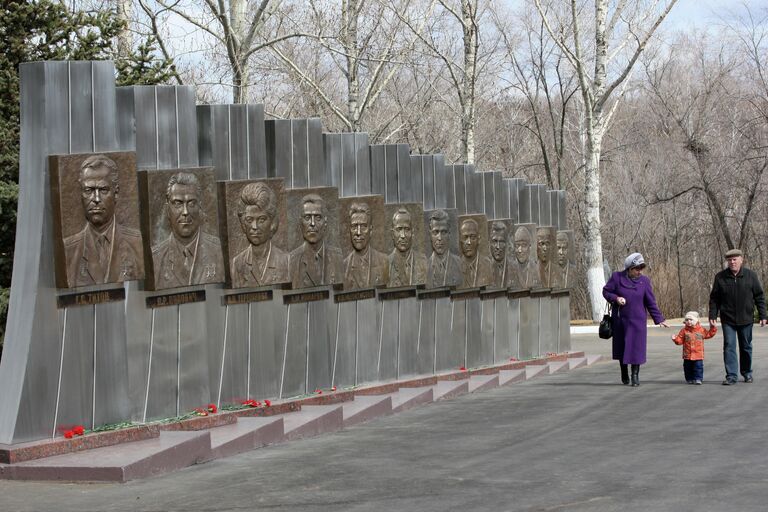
<point>364,267</point>
<point>475,268</point>
<point>407,267</point>
<point>262,263</point>
<point>104,251</point>
<point>444,266</point>
<point>501,275</point>
<point>525,274</point>
<point>314,262</point>
<point>189,255</point>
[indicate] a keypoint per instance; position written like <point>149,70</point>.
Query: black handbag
<point>605,331</point>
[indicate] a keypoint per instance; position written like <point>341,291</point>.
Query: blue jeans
<point>741,362</point>
<point>694,370</point>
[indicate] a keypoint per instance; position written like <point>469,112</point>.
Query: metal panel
<point>449,336</point>
<point>514,328</point>
<point>332,144</point>
<point>294,367</point>
<point>425,348</point>
<point>479,334</point>
<point>278,137</point>
<point>428,181</point>
<point>548,335</point>
<point>489,194</point>
<point>418,168</point>
<point>529,327</point>
<point>77,377</point>
<point>502,334</point>
<point>267,335</point>
<point>192,352</point>
<point>345,345</point>
<point>362,164</point>
<point>233,358</point>
<point>186,135</point>
<point>315,158</point>
<point>348,166</point>
<point>554,208</point>
<point>392,194</point>
<point>367,353</point>
<point>161,399</point>
<point>444,187</point>
<point>475,199</point>
<point>500,197</point>
<point>408,337</point>
<point>459,188</point>
<point>257,150</point>
<point>300,153</point>
<point>562,213</point>
<point>378,170</point>
<point>321,338</point>
<point>564,323</point>
<point>238,142</point>
<point>145,120</point>
<point>388,331</point>
<point>545,215</point>
<point>167,127</point>
<point>112,403</point>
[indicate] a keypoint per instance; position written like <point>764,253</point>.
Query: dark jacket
<point>735,297</point>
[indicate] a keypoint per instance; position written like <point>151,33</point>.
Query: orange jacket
<point>692,340</point>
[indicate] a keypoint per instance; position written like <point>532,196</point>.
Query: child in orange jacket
<point>692,337</point>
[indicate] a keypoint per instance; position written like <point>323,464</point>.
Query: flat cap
<point>734,252</point>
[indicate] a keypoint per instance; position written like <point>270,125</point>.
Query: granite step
<point>366,407</point>
<point>483,382</point>
<point>556,367</point>
<point>120,463</point>
<point>246,434</point>
<point>534,370</point>
<point>576,362</point>
<point>445,389</point>
<point>511,376</point>
<point>313,420</point>
<point>408,398</point>
<point>593,358</point>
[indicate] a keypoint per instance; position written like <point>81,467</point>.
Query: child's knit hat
<point>693,315</point>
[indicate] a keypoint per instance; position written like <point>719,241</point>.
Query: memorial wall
<point>171,254</point>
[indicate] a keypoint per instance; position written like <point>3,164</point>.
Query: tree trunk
<point>469,79</point>
<point>125,37</point>
<point>238,22</point>
<point>350,13</point>
<point>593,239</point>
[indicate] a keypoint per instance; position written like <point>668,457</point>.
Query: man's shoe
<point>729,382</point>
<point>698,383</point>
<point>748,379</point>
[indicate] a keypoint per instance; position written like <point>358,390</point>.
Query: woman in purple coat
<point>631,295</point>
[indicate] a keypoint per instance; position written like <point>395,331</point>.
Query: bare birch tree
<point>624,33</point>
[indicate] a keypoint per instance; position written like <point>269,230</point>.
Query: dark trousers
<point>737,361</point>
<point>694,370</point>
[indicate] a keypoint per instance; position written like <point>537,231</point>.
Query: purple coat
<point>630,329</point>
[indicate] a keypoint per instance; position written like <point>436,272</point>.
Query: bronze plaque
<point>253,232</point>
<point>524,269</point>
<point>407,260</point>
<point>90,298</point>
<point>465,294</point>
<point>363,236</point>
<point>313,237</point>
<point>397,294</point>
<point>308,296</point>
<point>545,253</point>
<point>444,265</point>
<point>473,251</point>
<point>563,271</point>
<point>95,219</point>
<point>247,297</point>
<point>502,252</point>
<point>180,224</point>
<point>354,295</point>
<point>175,299</point>
<point>434,293</point>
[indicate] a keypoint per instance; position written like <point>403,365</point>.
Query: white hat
<point>693,315</point>
<point>634,260</point>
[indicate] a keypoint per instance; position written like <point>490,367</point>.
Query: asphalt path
<point>575,441</point>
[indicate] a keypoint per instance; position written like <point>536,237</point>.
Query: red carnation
<point>267,403</point>
<point>463,369</point>
<point>69,434</point>
<point>201,412</point>
<point>212,408</point>
<point>319,391</point>
<point>78,430</point>
<point>333,388</point>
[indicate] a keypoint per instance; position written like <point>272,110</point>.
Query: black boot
<point>635,375</point>
<point>624,374</point>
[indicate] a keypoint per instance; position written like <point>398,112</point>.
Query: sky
<point>700,13</point>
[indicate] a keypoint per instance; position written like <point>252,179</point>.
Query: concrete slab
<point>557,366</point>
<point>366,407</point>
<point>483,382</point>
<point>129,461</point>
<point>407,398</point>
<point>576,362</point>
<point>313,420</point>
<point>450,388</point>
<point>511,376</point>
<point>246,434</point>
<point>534,370</point>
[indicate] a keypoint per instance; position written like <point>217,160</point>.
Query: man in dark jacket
<point>735,293</point>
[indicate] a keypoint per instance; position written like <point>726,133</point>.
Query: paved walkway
<point>576,441</point>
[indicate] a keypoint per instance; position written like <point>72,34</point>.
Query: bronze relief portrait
<point>564,268</point>
<point>96,219</point>
<point>180,224</point>
<point>363,232</point>
<point>524,269</point>
<point>501,251</point>
<point>315,259</point>
<point>444,265</point>
<point>253,232</point>
<point>545,253</point>
<point>407,261</point>
<point>474,248</point>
